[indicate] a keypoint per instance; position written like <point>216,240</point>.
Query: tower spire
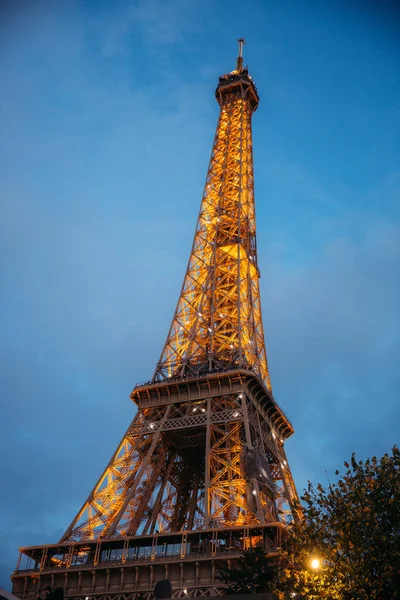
<point>239,62</point>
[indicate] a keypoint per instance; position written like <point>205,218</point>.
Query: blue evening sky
<point>107,118</point>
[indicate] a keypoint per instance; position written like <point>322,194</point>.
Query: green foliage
<point>353,526</point>
<point>253,574</point>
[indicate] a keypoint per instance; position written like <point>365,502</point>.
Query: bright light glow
<point>209,329</point>
<point>203,410</point>
<point>254,493</point>
<point>236,414</point>
<point>273,435</point>
<point>185,591</point>
<point>315,563</point>
<point>194,410</point>
<point>240,396</point>
<point>151,425</point>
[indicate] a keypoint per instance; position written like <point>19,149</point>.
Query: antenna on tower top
<point>239,63</point>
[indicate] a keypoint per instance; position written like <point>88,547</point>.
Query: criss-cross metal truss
<point>216,461</point>
<point>202,465</point>
<point>217,322</point>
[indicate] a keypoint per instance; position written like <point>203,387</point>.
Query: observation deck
<point>238,83</point>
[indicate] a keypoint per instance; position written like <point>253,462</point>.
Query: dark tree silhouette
<point>353,526</point>
<point>253,574</point>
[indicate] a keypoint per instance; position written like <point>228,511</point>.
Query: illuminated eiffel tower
<point>201,473</point>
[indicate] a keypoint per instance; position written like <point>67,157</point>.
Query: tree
<point>353,526</point>
<point>253,573</point>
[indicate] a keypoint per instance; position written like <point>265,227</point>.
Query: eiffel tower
<point>201,473</point>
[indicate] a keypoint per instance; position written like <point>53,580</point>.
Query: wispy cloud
<point>333,334</point>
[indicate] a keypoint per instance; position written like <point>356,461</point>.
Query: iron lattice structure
<point>202,465</point>
<point>211,461</point>
<point>217,322</point>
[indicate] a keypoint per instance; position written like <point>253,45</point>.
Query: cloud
<point>332,329</point>
<point>163,23</point>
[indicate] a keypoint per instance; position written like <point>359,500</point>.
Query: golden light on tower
<point>217,322</point>
<point>201,473</point>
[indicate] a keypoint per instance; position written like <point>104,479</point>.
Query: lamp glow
<point>315,563</point>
